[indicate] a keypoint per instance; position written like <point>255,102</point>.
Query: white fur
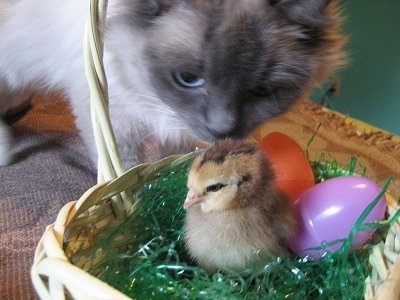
<point>41,46</point>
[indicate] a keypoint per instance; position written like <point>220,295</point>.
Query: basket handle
<point>109,160</point>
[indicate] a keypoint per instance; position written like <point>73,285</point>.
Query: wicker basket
<point>52,273</point>
<point>108,203</point>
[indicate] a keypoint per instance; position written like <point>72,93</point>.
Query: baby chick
<point>236,218</point>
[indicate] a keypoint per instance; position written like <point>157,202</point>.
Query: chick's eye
<point>215,187</point>
<point>188,80</point>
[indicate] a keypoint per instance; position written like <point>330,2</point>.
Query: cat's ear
<point>310,13</point>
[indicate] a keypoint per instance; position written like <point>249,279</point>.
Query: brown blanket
<point>52,168</point>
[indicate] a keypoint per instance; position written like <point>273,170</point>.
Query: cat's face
<point>226,66</point>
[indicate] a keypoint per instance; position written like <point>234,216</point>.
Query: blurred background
<point>369,87</point>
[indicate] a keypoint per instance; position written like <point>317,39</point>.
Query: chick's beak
<point>191,198</point>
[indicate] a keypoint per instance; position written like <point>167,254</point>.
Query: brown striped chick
<point>236,218</point>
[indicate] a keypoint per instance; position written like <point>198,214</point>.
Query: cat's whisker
<point>302,71</point>
<point>316,84</point>
<point>162,133</point>
<point>156,105</point>
<point>150,97</point>
<point>153,107</point>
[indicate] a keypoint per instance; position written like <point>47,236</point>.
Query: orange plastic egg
<point>292,168</point>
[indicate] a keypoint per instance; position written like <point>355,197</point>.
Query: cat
<point>179,71</point>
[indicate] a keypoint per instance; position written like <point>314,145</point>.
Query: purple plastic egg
<point>328,211</point>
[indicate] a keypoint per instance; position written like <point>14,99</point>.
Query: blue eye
<point>188,80</point>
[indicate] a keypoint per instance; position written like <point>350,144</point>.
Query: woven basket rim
<point>52,272</point>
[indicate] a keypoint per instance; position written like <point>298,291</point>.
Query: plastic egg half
<point>291,166</point>
<point>328,211</point>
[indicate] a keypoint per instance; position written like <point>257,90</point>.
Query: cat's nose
<point>223,119</point>
<point>223,127</point>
